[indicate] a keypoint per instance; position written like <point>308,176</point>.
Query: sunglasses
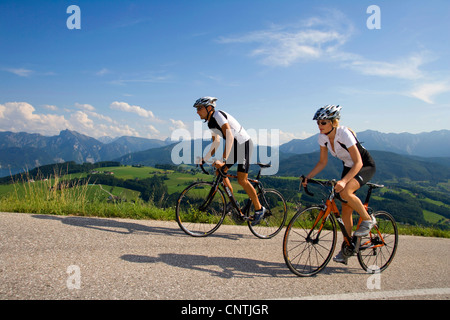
<point>322,123</point>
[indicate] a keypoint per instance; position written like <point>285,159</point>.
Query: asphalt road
<point>60,257</point>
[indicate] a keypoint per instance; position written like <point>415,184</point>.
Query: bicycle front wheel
<point>309,241</point>
<point>275,216</point>
<point>378,248</point>
<point>199,210</point>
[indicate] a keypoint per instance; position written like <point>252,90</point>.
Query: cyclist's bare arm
<point>229,140</point>
<point>323,160</point>
<point>216,142</point>
<point>212,150</point>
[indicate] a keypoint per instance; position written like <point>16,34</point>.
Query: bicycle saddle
<point>264,165</point>
<point>374,185</point>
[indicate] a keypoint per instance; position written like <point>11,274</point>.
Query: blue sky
<point>136,67</point>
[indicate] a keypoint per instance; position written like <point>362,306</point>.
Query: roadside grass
<point>60,195</point>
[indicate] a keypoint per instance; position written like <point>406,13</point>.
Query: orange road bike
<point>311,235</point>
<point>202,207</point>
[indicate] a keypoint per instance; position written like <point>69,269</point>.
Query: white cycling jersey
<point>343,140</point>
<point>219,118</point>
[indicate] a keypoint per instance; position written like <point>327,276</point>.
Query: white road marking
<point>375,294</point>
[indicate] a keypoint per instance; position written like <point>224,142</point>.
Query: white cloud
<point>323,38</point>
<point>79,119</point>
<point>89,110</point>
<point>86,107</point>
<point>101,117</point>
<point>282,47</point>
<point>288,136</point>
<point>20,71</point>
<point>406,68</point>
<point>123,106</point>
<point>50,107</point>
<point>427,91</point>
<point>2,111</point>
<point>310,39</point>
<point>177,124</point>
<point>82,122</point>
<point>118,131</point>
<point>21,116</point>
<point>153,130</point>
<point>102,72</point>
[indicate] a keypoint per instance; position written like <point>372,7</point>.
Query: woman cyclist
<point>359,168</point>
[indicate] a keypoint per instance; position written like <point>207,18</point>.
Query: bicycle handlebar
<point>330,183</point>
<point>223,174</point>
<point>203,169</point>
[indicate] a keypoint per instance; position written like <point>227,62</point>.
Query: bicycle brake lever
<point>220,170</point>
<point>338,196</point>
<point>306,188</point>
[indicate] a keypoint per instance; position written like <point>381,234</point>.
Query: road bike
<point>311,235</point>
<point>202,208</point>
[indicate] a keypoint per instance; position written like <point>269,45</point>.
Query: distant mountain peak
<point>425,144</point>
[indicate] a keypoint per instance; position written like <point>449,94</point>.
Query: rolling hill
<point>23,151</point>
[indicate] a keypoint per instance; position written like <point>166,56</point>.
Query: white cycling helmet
<point>328,112</point>
<point>205,101</point>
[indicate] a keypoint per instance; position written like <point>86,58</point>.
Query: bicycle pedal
<point>237,218</point>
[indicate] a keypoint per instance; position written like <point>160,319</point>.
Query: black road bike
<point>202,207</point>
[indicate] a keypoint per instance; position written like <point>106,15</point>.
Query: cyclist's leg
<point>354,202</point>
<point>347,218</point>
<point>348,194</point>
<point>347,211</point>
<point>242,155</point>
<point>226,181</point>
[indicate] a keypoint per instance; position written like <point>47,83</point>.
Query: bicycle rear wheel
<point>197,213</point>
<point>275,216</point>
<point>378,248</point>
<point>307,249</point>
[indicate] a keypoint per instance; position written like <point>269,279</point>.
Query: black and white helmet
<point>328,112</point>
<point>205,101</point>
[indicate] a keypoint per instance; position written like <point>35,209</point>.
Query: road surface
<point>65,257</point>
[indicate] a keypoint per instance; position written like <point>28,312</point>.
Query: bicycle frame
<point>330,207</point>
<point>219,182</point>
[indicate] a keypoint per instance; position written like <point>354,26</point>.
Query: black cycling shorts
<point>240,153</point>
<point>363,176</point>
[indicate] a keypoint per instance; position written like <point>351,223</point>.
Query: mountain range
<point>24,151</point>
<point>426,144</point>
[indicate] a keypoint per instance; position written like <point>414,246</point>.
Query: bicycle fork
<point>209,198</point>
<point>321,217</point>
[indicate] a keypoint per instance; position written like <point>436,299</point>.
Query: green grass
<point>423,231</point>
<point>56,196</point>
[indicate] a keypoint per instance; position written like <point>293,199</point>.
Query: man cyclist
<point>237,148</point>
